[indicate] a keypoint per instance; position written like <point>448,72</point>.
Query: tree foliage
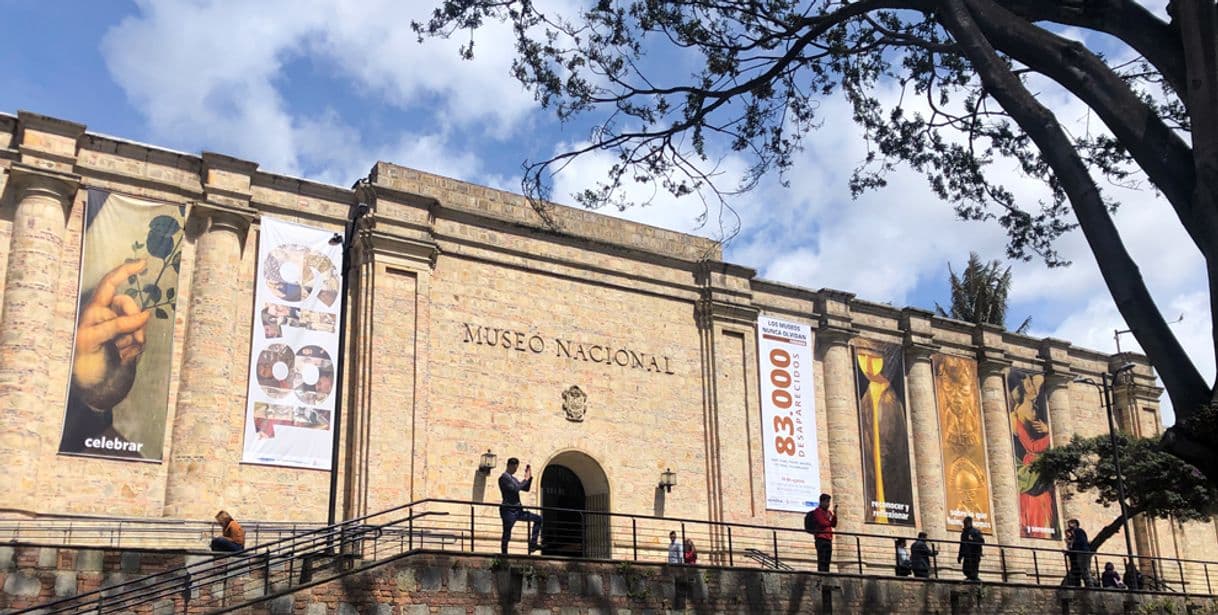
<point>979,294</point>
<point>966,75</point>
<point>1157,484</point>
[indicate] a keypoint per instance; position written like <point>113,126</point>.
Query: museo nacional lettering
<point>535,343</point>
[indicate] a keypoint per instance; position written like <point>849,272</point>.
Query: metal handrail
<point>626,536</point>
<point>191,577</point>
<point>135,533</point>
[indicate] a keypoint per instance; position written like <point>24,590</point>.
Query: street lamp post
<point>1116,461</point>
<point>357,211</point>
<point>1105,392</point>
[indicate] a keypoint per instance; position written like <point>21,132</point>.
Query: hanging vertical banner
<point>123,346</point>
<point>1030,437</point>
<point>887,483</point>
<point>965,478</point>
<point>788,415</point>
<point>295,347</point>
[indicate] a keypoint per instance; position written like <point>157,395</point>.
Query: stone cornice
<point>918,328</point>
<point>421,253</point>
<point>710,312</point>
<point>919,352</point>
<point>25,180</point>
<point>835,336</point>
<point>47,142</point>
<point>227,179</point>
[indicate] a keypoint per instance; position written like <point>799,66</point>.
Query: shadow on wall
<point>479,492</point>
<point>659,502</point>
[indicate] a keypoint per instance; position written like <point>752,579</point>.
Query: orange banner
<point>962,438</point>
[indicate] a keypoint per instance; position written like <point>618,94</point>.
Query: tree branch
<point>1158,150</point>
<point>1110,530</point>
<point>1128,21</point>
<point>1181,378</point>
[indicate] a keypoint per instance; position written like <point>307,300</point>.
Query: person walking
<point>904,565</point>
<point>232,538</point>
<point>674,549</point>
<point>1079,549</point>
<point>510,508</point>
<point>970,550</point>
<point>691,555</point>
<point>820,522</point>
<point>920,556</point>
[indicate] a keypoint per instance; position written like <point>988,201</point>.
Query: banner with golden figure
<point>118,395</point>
<point>1029,415</point>
<point>887,482</point>
<point>962,438</point>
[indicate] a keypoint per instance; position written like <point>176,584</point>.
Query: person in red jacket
<point>820,522</point>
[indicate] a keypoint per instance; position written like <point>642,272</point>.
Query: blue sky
<point>324,88</point>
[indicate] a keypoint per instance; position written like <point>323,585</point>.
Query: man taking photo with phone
<point>510,509</point>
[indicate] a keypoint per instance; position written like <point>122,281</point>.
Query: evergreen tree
<point>979,294</point>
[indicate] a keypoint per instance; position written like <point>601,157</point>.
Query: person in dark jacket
<point>970,550</point>
<point>920,555</point>
<point>1111,578</point>
<point>1079,550</point>
<point>820,522</point>
<point>510,509</point>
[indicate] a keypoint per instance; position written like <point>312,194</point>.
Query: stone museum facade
<point>603,350</point>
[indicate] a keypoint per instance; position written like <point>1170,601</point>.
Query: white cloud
<point>213,73</point>
<point>654,205</point>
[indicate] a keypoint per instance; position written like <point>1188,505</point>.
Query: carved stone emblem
<point>574,403</point>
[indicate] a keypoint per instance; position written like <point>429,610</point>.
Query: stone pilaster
<point>197,460</point>
<point>201,451</point>
<point>924,416</point>
<point>992,366</point>
<point>1058,377</point>
<point>43,200</point>
<point>841,412</point>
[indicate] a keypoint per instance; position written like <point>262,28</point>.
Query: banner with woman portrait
<point>879,373</point>
<point>966,480</point>
<point>1030,437</point>
<point>290,408</point>
<point>118,394</point>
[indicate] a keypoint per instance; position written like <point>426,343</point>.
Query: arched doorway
<point>562,531</point>
<point>576,485</point>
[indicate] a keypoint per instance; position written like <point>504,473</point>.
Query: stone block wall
<point>443,585</point>
<point>31,575</point>
<point>438,584</point>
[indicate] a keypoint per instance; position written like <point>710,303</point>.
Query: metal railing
<point>229,582</point>
<point>219,582</point>
<point>136,533</point>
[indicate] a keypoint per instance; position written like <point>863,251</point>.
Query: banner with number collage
<point>1030,437</point>
<point>123,345</point>
<point>887,481</point>
<point>295,346</point>
<point>788,415</point>
<point>966,480</point>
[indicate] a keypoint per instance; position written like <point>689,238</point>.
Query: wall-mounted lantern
<point>668,480</point>
<point>487,462</point>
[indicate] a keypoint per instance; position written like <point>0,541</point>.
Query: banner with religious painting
<point>291,401</point>
<point>962,438</point>
<point>1030,437</point>
<point>118,394</point>
<point>788,415</point>
<point>879,372</point>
